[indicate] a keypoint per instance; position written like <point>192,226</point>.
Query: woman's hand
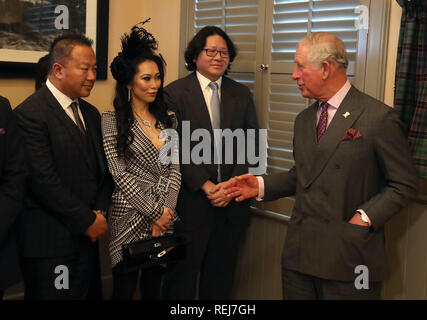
<point>156,231</point>
<point>164,222</point>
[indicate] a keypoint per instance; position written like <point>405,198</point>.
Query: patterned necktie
<point>323,120</point>
<point>216,116</point>
<point>79,122</point>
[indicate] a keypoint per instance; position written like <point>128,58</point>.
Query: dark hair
<point>137,47</point>
<point>42,70</point>
<point>62,46</point>
<point>197,44</point>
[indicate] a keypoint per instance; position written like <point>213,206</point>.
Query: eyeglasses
<point>213,52</point>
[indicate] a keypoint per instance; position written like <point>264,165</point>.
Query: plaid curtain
<point>410,98</point>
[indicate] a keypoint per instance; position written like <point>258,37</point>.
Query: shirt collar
<point>204,82</point>
<point>62,98</point>
<point>338,97</point>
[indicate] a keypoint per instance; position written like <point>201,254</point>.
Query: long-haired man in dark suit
<point>208,100</point>
<point>12,180</point>
<point>353,172</point>
<point>68,186</point>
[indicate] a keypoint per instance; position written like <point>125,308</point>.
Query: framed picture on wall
<point>28,27</point>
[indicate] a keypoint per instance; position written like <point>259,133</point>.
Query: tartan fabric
<point>137,200</point>
<point>410,99</point>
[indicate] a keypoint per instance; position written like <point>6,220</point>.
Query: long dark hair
<point>137,47</point>
<point>197,44</point>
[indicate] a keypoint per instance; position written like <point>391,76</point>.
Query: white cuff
<point>260,189</point>
<point>363,213</point>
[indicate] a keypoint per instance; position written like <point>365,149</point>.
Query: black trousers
<point>125,281</point>
<point>299,286</point>
<point>212,252</point>
<point>44,278</point>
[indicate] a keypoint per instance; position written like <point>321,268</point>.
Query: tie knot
<point>324,106</point>
<point>213,86</point>
<point>73,105</point>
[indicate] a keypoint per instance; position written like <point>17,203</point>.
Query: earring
<point>128,95</point>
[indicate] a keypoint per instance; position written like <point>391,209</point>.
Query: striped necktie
<point>79,122</point>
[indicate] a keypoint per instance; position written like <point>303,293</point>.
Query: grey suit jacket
<point>334,178</point>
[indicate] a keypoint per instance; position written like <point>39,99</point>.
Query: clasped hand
<point>159,227</point>
<point>216,194</point>
<point>98,228</point>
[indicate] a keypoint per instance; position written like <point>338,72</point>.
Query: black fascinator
<point>138,43</point>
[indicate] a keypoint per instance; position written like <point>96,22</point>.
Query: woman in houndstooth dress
<point>146,189</point>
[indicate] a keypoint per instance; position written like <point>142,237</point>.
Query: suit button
<point>337,166</point>
<point>326,193</point>
<point>326,221</point>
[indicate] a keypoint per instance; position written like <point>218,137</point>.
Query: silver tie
<point>216,117</point>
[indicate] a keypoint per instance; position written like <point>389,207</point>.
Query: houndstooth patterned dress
<point>141,190</point>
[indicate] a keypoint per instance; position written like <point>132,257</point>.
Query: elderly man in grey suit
<point>352,173</point>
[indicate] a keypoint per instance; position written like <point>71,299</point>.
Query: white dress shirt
<point>65,102</point>
<point>207,91</point>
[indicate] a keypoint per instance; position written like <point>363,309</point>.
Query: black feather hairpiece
<point>139,42</point>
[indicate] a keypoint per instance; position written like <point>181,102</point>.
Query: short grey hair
<point>325,46</point>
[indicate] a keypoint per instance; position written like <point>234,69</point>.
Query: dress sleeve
<point>173,170</point>
<point>144,199</point>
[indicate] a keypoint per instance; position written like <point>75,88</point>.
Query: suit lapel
<point>93,136</point>
<point>334,134</point>
<point>307,143</point>
<point>227,104</point>
<point>66,122</point>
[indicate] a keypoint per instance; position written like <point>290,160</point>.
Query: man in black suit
<point>208,100</point>
<point>353,172</point>
<point>12,178</point>
<point>68,187</point>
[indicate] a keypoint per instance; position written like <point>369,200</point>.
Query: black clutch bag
<point>154,252</point>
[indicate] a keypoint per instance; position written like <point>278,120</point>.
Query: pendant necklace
<point>144,122</point>
<point>152,133</point>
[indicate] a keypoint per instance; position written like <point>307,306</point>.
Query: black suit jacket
<point>185,97</point>
<point>12,178</point>
<point>334,178</point>
<point>65,183</point>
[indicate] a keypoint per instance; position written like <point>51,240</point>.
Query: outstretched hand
<point>241,187</point>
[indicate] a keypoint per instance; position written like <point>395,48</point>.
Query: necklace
<point>152,134</point>
<point>144,122</point>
